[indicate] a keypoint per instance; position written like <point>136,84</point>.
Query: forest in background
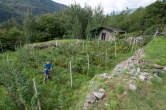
<point>77,22</point>
<point>18,8</point>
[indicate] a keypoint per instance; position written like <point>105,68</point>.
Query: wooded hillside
<point>18,8</point>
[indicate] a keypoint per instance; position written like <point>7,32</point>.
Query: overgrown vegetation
<point>156,51</point>
<point>19,68</point>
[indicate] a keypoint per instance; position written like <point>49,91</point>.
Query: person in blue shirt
<point>47,69</point>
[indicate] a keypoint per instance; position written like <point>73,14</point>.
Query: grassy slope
<point>27,64</point>
<point>146,97</point>
<point>151,97</point>
<point>156,51</point>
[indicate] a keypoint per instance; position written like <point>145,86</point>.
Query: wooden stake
<point>115,49</point>
<point>83,46</point>
<point>131,40</point>
<point>125,35</point>
<point>71,75</point>
<point>77,42</point>
<point>20,44</point>
<point>88,60</point>
<point>56,43</point>
<point>1,46</point>
<point>133,44</point>
<point>86,46</point>
<point>156,33</point>
<point>106,54</point>
<point>7,59</point>
<point>98,44</point>
<point>136,42</point>
<point>38,101</point>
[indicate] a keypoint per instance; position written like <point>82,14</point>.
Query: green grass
<point>146,97</point>
<point>26,64</point>
<point>20,67</point>
<point>6,102</point>
<point>156,51</point>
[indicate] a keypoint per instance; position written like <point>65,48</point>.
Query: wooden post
<point>106,54</point>
<point>115,49</point>
<point>20,44</point>
<point>156,33</point>
<point>125,36</point>
<point>88,60</point>
<point>1,46</point>
<point>131,40</point>
<point>77,42</point>
<point>133,44</point>
<point>86,46</point>
<point>136,42</point>
<point>83,46</point>
<point>38,101</point>
<point>7,59</point>
<point>56,43</point>
<point>71,75</point>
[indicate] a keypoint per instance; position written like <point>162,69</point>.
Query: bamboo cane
<point>35,87</point>
<point>88,60</point>
<point>71,75</point>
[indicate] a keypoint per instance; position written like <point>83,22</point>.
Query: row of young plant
<point>17,78</point>
<point>19,68</point>
<point>101,55</point>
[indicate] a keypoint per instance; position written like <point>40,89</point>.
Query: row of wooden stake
<point>71,78</point>
<point>34,81</point>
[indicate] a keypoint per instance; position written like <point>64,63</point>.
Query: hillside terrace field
<point>20,67</point>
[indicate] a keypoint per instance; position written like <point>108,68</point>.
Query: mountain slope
<point>17,8</point>
<point>6,13</point>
